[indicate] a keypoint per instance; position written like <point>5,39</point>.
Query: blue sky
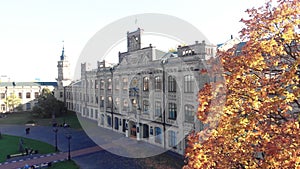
<point>32,31</point>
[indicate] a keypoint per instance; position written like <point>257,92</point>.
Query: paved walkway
<point>84,151</point>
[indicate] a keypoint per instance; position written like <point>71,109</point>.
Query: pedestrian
<point>27,130</point>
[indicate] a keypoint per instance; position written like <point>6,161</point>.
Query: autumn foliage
<point>251,114</point>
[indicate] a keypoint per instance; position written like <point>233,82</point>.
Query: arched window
<point>102,84</point>
<point>146,83</point>
<point>109,84</point>
<point>188,84</point>
<point>157,83</point>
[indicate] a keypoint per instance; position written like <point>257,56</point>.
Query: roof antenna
<point>63,51</point>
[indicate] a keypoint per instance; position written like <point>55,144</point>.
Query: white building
<point>149,96</point>
<point>27,92</point>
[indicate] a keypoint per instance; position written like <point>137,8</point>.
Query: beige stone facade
<point>150,95</point>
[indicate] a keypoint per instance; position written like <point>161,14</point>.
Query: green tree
<point>12,102</point>
<point>48,106</point>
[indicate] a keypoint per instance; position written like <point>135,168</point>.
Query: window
<point>96,84</point>
<point>108,121</point>
<point>87,112</point>
<point>146,106</point>
<point>157,109</point>
<point>92,99</point>
<point>96,97</point>
<point>109,85</point>
<point>3,107</point>
<point>101,101</point>
<point>151,130</point>
<point>91,84</point>
<point>28,95</point>
<point>92,113</point>
<point>116,123</point>
<point>157,83</point>
<point>102,84</point>
<point>146,84</point>
<point>20,95</point>
<point>117,84</point>
<point>172,138</point>
<point>102,119</point>
<point>84,111</point>
<point>171,84</point>
<point>36,94</point>
<point>125,105</point>
<point>158,137</point>
<point>189,113</point>
<point>188,84</point>
<point>109,102</point>
<point>117,101</point>
<point>2,95</point>
<point>60,94</point>
<point>125,83</point>
<point>96,114</point>
<point>172,111</point>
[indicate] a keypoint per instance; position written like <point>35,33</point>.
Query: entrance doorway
<point>132,129</point>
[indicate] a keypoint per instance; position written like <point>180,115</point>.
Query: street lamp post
<point>69,137</point>
<point>55,130</point>
<point>6,104</point>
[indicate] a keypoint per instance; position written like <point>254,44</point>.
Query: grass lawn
<point>10,145</point>
<point>64,165</point>
<point>22,118</point>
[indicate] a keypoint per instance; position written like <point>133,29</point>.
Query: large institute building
<point>149,95</point>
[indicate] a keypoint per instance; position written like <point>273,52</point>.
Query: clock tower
<point>63,67</point>
<point>134,40</point>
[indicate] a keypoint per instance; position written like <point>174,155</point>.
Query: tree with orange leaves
<point>252,113</point>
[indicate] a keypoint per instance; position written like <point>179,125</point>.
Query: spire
<point>62,57</point>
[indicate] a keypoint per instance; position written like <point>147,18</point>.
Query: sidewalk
<point>118,150</point>
<point>56,157</point>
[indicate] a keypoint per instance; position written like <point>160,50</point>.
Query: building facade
<point>26,92</point>
<point>150,95</point>
<point>63,77</point>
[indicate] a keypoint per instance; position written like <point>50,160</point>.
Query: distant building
<point>26,91</point>
<point>63,76</point>
<point>4,78</point>
<point>150,95</point>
